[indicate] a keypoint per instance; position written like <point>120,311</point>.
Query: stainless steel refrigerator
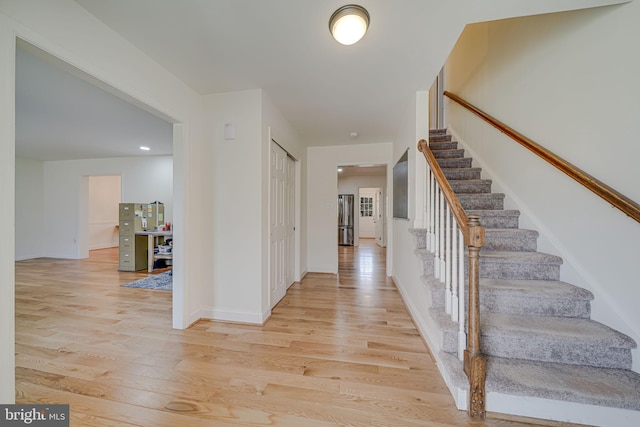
<point>345,219</point>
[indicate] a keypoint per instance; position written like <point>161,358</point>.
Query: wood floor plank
<point>338,350</point>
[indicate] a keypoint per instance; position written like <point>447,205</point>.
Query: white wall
<point>104,216</point>
<point>235,220</point>
<point>7,212</point>
<point>352,185</point>
<point>568,81</point>
<point>239,217</point>
<point>407,267</point>
<point>29,208</point>
<point>144,179</point>
<point>322,198</point>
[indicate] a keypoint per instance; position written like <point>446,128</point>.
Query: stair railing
<point>449,230</point>
<point>617,200</point>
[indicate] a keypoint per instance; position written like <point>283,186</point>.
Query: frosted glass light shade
<point>349,24</point>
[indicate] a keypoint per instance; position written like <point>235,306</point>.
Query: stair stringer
<point>455,379</point>
<point>428,328</point>
<point>572,270</point>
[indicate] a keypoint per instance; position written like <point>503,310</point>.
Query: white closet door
<point>281,223</point>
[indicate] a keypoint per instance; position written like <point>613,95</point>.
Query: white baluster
<point>429,207</point>
<point>425,202</point>
<point>462,335</point>
<point>436,262</point>
<point>441,241</point>
<point>454,271</point>
<point>447,259</point>
<point>434,210</point>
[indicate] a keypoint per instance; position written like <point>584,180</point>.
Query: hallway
<point>364,265</point>
<point>336,351</point>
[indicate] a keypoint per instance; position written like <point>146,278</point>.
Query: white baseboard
<point>229,316</point>
<point>26,257</point>
<point>313,269</point>
<point>304,273</point>
<point>561,411</point>
<point>104,246</point>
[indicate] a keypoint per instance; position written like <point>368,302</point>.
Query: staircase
<point>546,358</point>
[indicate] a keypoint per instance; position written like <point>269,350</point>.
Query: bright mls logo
<point>34,415</point>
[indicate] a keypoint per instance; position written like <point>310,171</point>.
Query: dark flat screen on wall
<point>401,187</point>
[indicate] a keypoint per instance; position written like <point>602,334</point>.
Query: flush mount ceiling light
<point>349,23</point>
<point>143,148</point>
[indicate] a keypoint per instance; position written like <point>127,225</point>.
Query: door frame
<point>9,38</point>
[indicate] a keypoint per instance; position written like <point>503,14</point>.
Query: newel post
<point>474,363</point>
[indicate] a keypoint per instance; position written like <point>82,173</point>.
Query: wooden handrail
<point>611,196</point>
<point>474,238</point>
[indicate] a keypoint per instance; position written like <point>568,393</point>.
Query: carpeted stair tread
<point>456,153</point>
<point>555,339</point>
<point>496,218</point>
<point>442,145</point>
<point>535,297</point>
<point>548,339</point>
<point>491,201</point>
<point>518,265</point>
<point>617,388</point>
<point>439,138</point>
<point>564,328</point>
<point>523,297</point>
<point>511,239</point>
<point>463,162</point>
<point>466,186</point>
<point>548,288</point>
<point>455,173</point>
<point>516,257</point>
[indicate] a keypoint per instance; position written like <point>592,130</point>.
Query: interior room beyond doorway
<point>370,218</point>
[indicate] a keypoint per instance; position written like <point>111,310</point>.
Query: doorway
<point>86,155</point>
<point>105,195</point>
<point>370,211</point>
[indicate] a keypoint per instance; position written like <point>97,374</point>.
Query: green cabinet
<point>135,218</point>
<point>133,249</point>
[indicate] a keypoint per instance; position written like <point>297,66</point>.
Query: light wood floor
<point>336,351</point>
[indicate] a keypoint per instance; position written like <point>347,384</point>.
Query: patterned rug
<point>159,282</point>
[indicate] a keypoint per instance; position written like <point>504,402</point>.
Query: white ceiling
<point>325,90</point>
<point>60,116</point>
